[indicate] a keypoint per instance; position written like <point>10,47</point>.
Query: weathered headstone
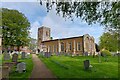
<point>86,53</point>
<point>69,54</point>
<point>14,57</point>
<point>5,72</point>
<point>6,56</point>
<point>10,65</point>
<point>27,55</point>
<point>58,54</point>
<point>23,55</point>
<point>47,54</point>
<point>42,54</point>
<point>77,54</point>
<point>65,54</point>
<point>118,54</point>
<point>21,67</point>
<point>86,64</point>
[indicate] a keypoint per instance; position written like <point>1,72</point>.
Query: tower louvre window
<point>46,33</point>
<point>62,46</point>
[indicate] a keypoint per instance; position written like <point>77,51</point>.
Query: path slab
<point>39,69</point>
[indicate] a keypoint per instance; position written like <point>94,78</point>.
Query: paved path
<point>39,69</point>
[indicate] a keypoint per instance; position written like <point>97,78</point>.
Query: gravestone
<point>42,54</point>
<point>118,54</point>
<point>86,64</point>
<point>77,54</point>
<point>5,72</point>
<point>10,65</point>
<point>14,57</point>
<point>21,67</point>
<point>23,55</point>
<point>6,56</point>
<point>65,54</point>
<point>68,54</point>
<point>58,54</point>
<point>86,53</point>
<point>27,55</point>
<point>47,54</point>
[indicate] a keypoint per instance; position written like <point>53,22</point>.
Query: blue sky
<point>38,16</point>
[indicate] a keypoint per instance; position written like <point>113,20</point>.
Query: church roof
<point>62,39</point>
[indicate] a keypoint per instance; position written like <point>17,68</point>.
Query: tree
<point>33,44</point>
<point>15,28</point>
<point>105,13</point>
<point>109,41</point>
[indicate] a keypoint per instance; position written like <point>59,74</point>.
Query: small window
<point>62,46</point>
<point>50,47</point>
<point>78,46</point>
<point>70,45</point>
<point>55,47</point>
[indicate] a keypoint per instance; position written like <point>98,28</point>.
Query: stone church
<point>74,45</point>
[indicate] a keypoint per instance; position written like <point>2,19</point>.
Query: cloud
<point>32,10</point>
<point>34,29</point>
<point>38,16</point>
<point>63,29</point>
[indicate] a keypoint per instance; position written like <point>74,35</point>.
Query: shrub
<point>106,52</point>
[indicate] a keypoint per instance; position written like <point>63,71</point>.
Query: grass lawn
<point>76,69</point>
<point>21,76</point>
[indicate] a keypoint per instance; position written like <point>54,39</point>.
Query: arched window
<point>78,46</point>
<point>55,48</point>
<point>70,46</point>
<point>62,46</point>
<point>46,33</point>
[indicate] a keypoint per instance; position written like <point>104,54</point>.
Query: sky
<point>60,28</point>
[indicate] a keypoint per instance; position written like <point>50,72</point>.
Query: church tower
<point>43,35</point>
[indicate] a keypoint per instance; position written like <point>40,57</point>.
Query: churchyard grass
<point>76,68</point>
<point>21,76</point>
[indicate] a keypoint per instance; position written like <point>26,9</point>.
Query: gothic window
<point>62,46</point>
<point>78,46</point>
<point>55,47</point>
<point>70,46</point>
<point>50,48</point>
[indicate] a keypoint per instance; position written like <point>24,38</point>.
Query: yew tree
<point>15,28</point>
